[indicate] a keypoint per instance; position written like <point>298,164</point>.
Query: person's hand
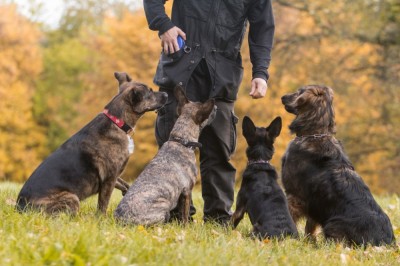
<point>258,88</point>
<point>169,40</point>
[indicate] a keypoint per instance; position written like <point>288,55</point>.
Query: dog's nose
<point>284,99</point>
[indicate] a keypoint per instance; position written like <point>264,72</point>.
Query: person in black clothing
<point>210,66</point>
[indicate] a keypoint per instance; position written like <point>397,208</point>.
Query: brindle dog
<point>92,160</point>
<point>319,179</point>
<point>260,195</point>
<point>167,181</point>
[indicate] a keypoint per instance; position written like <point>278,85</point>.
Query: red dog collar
<point>119,122</point>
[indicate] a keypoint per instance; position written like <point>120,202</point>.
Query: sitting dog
<point>320,181</point>
<point>92,160</point>
<point>260,195</point>
<point>167,181</point>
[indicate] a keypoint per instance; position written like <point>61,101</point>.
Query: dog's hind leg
<point>60,202</point>
<point>239,212</point>
<point>184,205</point>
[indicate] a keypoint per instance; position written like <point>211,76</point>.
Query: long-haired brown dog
<point>320,181</point>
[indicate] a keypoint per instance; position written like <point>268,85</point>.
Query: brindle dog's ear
<point>205,111</point>
<point>249,129</point>
<point>122,77</point>
<point>180,96</point>
<point>136,96</point>
<point>274,129</point>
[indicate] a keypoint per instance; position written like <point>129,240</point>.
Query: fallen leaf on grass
<point>11,202</point>
<point>180,237</point>
<point>142,229</point>
<point>380,249</point>
<point>237,234</point>
<point>343,258</point>
<point>159,239</point>
<point>215,233</point>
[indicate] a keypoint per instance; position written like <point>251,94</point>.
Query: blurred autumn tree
<point>123,44</point>
<point>351,46</point>
<point>21,139</point>
<point>65,63</point>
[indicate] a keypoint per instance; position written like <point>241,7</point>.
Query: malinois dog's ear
<point>122,77</point>
<point>180,96</point>
<point>204,111</point>
<point>249,129</point>
<point>274,129</point>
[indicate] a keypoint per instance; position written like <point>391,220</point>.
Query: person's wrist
<point>165,27</point>
<point>262,75</point>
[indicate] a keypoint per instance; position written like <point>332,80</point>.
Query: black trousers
<point>219,143</point>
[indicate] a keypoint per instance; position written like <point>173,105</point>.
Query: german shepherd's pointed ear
<point>274,129</point>
<point>204,111</point>
<point>180,96</point>
<point>122,77</point>
<point>249,129</point>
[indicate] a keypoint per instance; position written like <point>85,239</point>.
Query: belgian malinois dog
<point>320,181</point>
<point>260,196</point>
<point>167,181</point>
<point>92,160</point>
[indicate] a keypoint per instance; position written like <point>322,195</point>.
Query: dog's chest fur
<point>304,161</point>
<point>104,150</point>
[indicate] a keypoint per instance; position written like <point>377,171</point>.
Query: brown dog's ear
<point>205,111</point>
<point>248,129</point>
<point>329,93</point>
<point>274,129</point>
<point>180,96</point>
<point>122,77</point>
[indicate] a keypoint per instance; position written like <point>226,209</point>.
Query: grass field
<point>34,239</point>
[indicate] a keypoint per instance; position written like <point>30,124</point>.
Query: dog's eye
<point>301,91</point>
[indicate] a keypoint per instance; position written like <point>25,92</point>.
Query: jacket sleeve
<point>156,16</point>
<point>261,35</point>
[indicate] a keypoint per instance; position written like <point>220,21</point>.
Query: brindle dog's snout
<point>212,115</point>
<point>164,97</point>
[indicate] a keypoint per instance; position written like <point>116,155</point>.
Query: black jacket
<point>214,31</point>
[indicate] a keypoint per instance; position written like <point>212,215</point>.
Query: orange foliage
<point>20,64</point>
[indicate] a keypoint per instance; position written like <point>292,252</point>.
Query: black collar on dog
<point>314,136</point>
<point>119,122</point>
<point>259,161</point>
<point>188,144</point>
